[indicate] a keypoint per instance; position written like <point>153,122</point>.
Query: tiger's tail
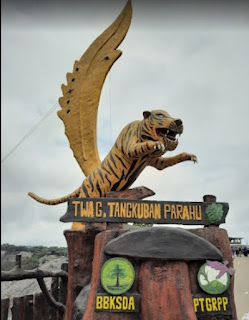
<point>55,201</point>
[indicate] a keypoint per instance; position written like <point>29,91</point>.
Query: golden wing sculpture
<point>82,93</point>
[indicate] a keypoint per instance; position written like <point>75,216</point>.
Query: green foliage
<point>117,271</point>
<point>12,248</point>
<point>32,262</point>
<point>40,251</point>
<point>214,213</point>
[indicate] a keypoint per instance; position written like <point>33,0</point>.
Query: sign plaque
<point>144,211</point>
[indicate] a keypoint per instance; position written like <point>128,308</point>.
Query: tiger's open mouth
<point>166,133</point>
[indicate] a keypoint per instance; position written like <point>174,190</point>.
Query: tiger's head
<point>158,125</point>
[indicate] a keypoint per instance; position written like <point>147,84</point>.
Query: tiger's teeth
<point>167,131</point>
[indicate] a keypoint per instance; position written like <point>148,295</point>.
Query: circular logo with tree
<point>214,277</point>
<point>117,276</point>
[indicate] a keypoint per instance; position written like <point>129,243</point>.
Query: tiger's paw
<point>194,158</point>
<point>188,156</point>
<point>159,146</point>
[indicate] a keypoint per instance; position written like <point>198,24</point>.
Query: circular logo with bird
<point>214,277</point>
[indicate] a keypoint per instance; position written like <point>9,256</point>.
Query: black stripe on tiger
<point>122,148</point>
<point>133,177</point>
<point>116,185</point>
<point>104,168</point>
<point>121,161</point>
<point>123,142</point>
<point>85,191</point>
<point>159,122</point>
<point>94,175</point>
<point>98,188</point>
<point>144,137</point>
<point>145,132</point>
<point>110,167</point>
<point>113,161</point>
<point>131,168</point>
<point>155,152</point>
<point>100,173</point>
<point>91,183</point>
<point>108,180</point>
<point>146,127</point>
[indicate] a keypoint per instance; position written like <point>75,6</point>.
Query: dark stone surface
<point>134,193</point>
<point>209,198</point>
<point>81,303</point>
<point>18,308</point>
<point>80,256</point>
<point>41,309</point>
<point>163,243</point>
<point>5,308</point>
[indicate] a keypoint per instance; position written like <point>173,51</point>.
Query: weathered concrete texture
<point>100,242</point>
<point>5,308</point>
<point>241,286</point>
<point>23,308</point>
<point>163,243</point>
<point>219,238</point>
<point>165,291</point>
<point>134,193</point>
<point>166,287</point>
<point>80,255</point>
<point>41,310</point>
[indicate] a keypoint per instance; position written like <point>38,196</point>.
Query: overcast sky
<point>187,58</point>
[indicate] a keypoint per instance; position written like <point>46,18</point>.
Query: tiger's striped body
<point>140,144</point>
<point>121,166</point>
<point>137,146</point>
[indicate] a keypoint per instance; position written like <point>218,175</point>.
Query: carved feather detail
<point>82,93</point>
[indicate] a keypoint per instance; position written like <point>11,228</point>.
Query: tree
<point>118,273</point>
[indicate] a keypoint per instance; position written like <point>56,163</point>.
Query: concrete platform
<point>241,290</point>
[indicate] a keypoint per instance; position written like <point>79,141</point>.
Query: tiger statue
<point>140,143</point>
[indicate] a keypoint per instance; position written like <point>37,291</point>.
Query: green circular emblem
<point>213,278</point>
<point>117,276</point>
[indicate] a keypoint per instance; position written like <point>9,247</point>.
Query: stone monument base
<point>163,289</point>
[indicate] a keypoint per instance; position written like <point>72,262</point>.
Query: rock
<point>163,243</point>
<point>81,303</point>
